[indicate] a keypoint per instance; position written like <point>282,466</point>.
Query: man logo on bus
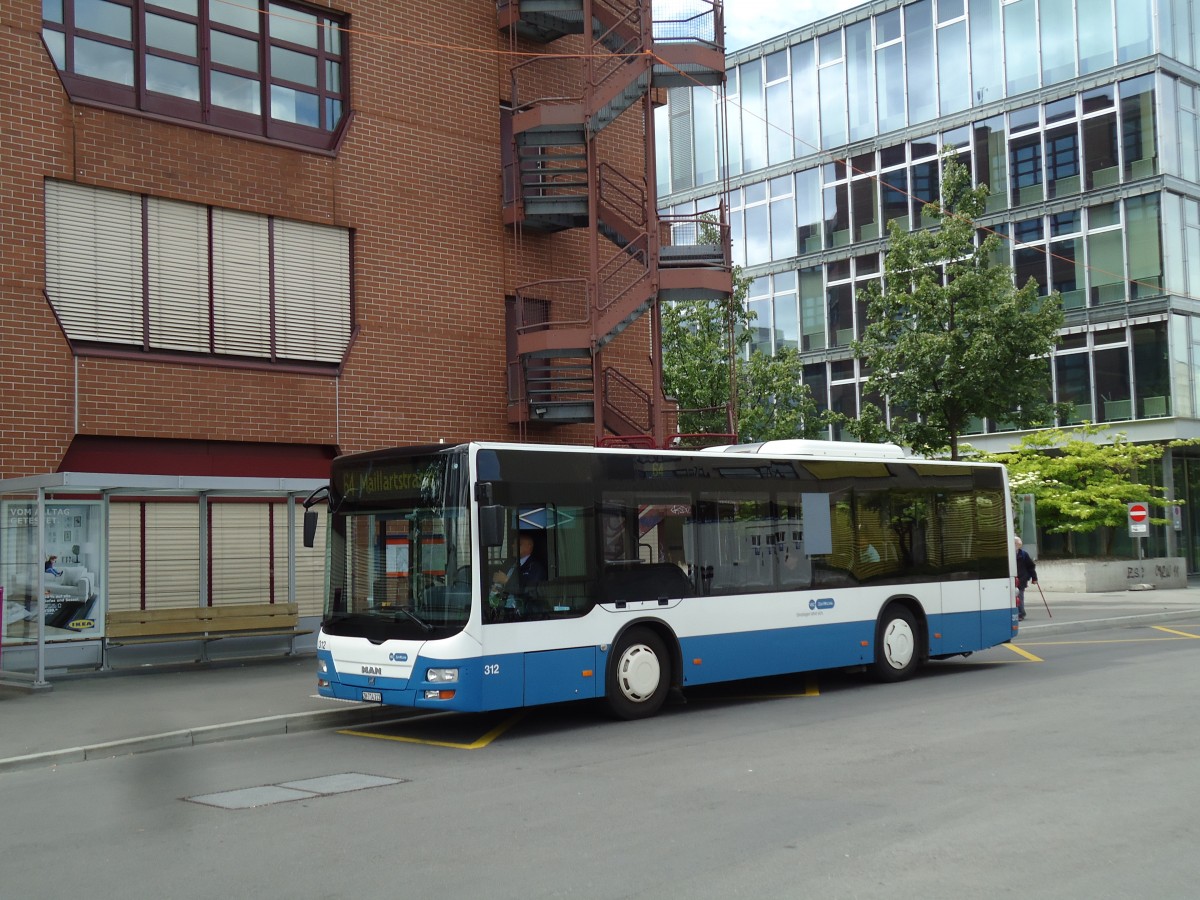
<point>823,603</point>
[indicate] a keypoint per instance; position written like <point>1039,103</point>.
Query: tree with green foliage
<point>869,426</point>
<point>698,339</point>
<point>950,338</point>
<point>1083,479</point>
<point>773,401</point>
<point>704,361</point>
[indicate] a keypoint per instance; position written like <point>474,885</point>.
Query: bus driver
<point>521,574</point>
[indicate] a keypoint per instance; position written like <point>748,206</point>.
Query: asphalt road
<point>1063,768</point>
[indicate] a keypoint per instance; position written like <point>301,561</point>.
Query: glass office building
<point>1081,116</point>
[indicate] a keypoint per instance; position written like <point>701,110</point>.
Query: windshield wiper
<point>412,615</point>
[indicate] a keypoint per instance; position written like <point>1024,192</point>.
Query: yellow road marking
<point>1180,633</point>
<point>1025,653</point>
<point>474,745</point>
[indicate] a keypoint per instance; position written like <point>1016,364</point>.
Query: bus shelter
<point>76,545</point>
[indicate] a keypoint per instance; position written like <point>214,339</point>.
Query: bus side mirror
<point>491,525</point>
<point>310,527</point>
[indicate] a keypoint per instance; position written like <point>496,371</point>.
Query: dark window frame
<point>326,135</point>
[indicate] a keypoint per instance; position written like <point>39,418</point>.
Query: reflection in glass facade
<point>1075,115</point>
<point>835,137</point>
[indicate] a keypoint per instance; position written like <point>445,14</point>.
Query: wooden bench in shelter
<point>203,624</point>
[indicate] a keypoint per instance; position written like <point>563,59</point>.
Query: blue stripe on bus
<point>528,679</point>
<point>969,632</point>
<point>726,657</point>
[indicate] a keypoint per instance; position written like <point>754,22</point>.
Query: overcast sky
<point>750,21</point>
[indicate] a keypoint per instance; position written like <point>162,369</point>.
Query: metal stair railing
<point>687,240</point>
<point>623,195</point>
<point>629,403</point>
<point>550,81</point>
<point>702,26</point>
<point>611,15</point>
<point>567,302</point>
<point>623,286</point>
<point>546,81</point>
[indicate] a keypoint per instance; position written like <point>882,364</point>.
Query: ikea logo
<point>81,624</point>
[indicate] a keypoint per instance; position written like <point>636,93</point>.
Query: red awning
<point>161,456</point>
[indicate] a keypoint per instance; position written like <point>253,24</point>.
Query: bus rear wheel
<point>639,675</point>
<point>897,645</point>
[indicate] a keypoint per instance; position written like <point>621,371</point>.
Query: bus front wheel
<point>897,645</point>
<point>639,675</point>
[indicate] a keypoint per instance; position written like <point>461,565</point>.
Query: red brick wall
<point>417,178</point>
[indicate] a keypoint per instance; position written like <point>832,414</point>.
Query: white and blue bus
<point>656,570</point>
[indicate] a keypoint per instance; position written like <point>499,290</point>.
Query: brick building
<point>238,242</point>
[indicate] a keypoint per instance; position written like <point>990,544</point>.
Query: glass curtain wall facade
<point>1081,116</point>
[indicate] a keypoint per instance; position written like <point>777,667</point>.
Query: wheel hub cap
<point>898,644</point>
<point>639,673</point>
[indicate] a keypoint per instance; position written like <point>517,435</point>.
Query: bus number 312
<point>491,669</point>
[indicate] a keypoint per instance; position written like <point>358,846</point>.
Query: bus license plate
<point>372,695</point>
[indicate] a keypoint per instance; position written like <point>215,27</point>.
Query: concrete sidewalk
<point>94,715</point>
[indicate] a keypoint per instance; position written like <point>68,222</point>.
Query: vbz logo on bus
<point>822,603</point>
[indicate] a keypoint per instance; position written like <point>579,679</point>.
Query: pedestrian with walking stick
<point>1026,572</point>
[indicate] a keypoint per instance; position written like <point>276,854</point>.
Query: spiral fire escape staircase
<point>556,178</point>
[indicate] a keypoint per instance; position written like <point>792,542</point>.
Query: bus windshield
<point>400,555</point>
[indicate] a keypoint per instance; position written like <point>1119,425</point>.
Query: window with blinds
<point>154,556</point>
<point>93,262</point>
<point>162,275</point>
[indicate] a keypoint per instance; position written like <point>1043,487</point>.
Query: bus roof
<point>798,447</point>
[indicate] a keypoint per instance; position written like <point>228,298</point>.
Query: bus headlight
<point>322,666</point>
<point>441,675</point>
